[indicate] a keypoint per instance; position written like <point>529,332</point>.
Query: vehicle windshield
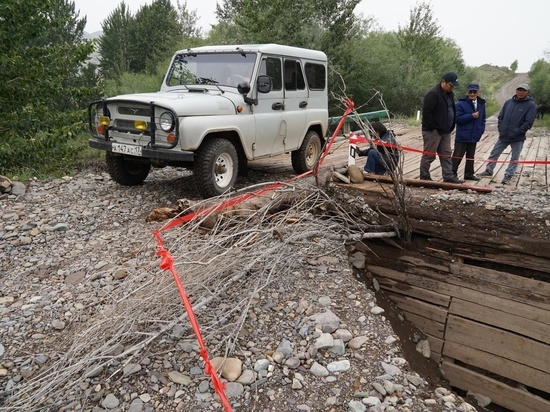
<point>221,69</point>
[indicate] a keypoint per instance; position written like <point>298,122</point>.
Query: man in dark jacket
<point>438,121</point>
<point>515,118</point>
<point>470,126</point>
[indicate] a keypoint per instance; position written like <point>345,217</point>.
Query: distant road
<point>509,89</point>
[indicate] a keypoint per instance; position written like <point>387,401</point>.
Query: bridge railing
<point>379,115</point>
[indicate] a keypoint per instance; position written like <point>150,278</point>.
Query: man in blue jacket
<point>515,118</point>
<point>438,121</point>
<point>470,126</point>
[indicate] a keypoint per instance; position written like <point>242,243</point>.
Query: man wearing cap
<point>515,118</point>
<point>438,121</point>
<point>470,126</point>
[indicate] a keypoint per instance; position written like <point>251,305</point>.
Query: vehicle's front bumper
<point>148,153</point>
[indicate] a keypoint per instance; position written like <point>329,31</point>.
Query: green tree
<point>424,57</point>
<point>42,53</point>
<point>514,66</point>
<point>539,80</point>
<point>155,34</point>
<point>188,22</point>
<point>114,43</point>
<point>318,24</point>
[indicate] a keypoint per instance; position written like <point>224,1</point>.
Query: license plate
<point>127,149</point>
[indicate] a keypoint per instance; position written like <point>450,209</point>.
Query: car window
<point>316,76</point>
<point>271,66</point>
<point>294,77</point>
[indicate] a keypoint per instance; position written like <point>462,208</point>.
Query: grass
<point>82,157</point>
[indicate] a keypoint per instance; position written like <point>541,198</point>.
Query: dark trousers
<point>440,144</point>
<point>461,149</point>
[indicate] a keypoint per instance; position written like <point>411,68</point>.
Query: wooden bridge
<point>528,176</point>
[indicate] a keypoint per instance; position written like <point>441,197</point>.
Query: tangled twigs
<point>224,259</point>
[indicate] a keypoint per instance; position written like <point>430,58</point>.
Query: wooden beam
<point>427,183</point>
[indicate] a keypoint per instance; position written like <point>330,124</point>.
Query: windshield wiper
<point>206,80</point>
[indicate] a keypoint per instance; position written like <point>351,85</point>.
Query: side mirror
<point>243,88</point>
<point>264,84</point>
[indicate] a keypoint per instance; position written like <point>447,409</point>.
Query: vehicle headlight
<point>166,121</point>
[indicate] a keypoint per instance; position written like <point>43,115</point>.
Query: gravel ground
<point>314,338</point>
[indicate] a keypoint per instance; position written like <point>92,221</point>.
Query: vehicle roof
<point>271,48</point>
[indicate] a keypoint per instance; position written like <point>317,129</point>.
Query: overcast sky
<point>488,31</point>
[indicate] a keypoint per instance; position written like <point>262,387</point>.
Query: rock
<point>339,366</point>
<point>318,370</point>
<point>357,342</point>
<point>376,310</point>
<point>327,321</point>
<point>178,377</point>
<point>324,341</point>
<point>231,367</point>
<point>234,389</point>
<point>424,348</point>
<point>110,402</point>
<point>481,400</point>
<point>355,174</point>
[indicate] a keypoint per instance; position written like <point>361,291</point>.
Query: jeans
<point>498,148</point>
<point>440,144</point>
<point>375,163</point>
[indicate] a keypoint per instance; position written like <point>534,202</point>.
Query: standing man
<point>438,121</point>
<point>470,126</point>
<point>515,118</point>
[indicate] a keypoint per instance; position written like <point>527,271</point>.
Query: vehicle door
<point>269,113</point>
<point>295,103</point>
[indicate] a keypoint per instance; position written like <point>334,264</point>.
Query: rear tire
<point>305,158</point>
<point>126,172</point>
<point>216,167</point>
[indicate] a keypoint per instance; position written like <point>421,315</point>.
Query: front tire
<point>305,158</point>
<point>126,172</point>
<point>216,167</point>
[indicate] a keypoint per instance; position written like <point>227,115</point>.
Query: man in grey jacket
<point>515,118</point>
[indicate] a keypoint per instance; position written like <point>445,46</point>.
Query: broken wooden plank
<point>497,365</point>
<point>428,326</point>
<point>479,312</point>
<point>415,292</point>
<point>512,398</point>
<point>515,288</point>
<point>418,307</point>
<point>498,342</point>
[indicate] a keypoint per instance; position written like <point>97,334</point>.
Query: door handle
<point>278,106</point>
<point>302,104</point>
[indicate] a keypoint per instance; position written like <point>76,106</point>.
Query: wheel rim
<point>312,153</point>
<point>223,170</point>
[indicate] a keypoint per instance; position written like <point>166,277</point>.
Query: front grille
<point>135,111</point>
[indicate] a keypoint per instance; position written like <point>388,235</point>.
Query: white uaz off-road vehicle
<point>218,108</point>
